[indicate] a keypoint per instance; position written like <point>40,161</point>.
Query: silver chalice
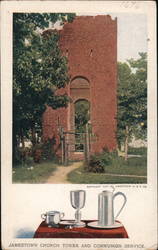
<point>77,198</point>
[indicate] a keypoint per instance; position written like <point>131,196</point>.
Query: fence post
<point>64,148</point>
<point>62,145</point>
<point>66,153</point>
<point>87,144</point>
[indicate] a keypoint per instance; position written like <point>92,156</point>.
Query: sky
<point>132,34</point>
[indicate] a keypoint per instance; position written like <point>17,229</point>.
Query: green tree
<point>140,91</point>
<point>132,100</point>
<point>39,69</point>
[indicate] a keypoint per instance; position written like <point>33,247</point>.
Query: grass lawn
<point>134,166</point>
<point>38,174</point>
<point>91,178</point>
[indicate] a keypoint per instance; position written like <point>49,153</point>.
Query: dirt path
<point>59,176</point>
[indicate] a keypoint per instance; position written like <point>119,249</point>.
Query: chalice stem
<point>78,216</point>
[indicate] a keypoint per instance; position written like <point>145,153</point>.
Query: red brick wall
<point>90,43</point>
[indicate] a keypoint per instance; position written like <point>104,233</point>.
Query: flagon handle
<point>125,200</point>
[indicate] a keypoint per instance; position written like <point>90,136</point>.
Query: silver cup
<point>77,199</point>
<point>52,218</point>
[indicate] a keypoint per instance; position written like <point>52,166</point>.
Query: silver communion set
<point>106,217</point>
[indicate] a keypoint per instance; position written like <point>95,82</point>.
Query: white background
<point>22,204</point>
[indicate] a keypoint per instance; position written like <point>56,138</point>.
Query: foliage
<point>132,99</point>
<point>29,161</point>
<point>140,92</point>
<point>43,151</point>
<point>39,70</point>
<point>98,162</point>
<point>82,115</point>
<point>23,157</point>
<point>47,150</point>
<point>37,153</point>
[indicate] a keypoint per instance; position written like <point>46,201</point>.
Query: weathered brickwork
<point>90,43</point>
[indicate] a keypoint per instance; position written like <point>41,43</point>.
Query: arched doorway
<point>80,95</point>
<point>79,90</point>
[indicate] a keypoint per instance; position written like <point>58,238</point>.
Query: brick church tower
<point>90,44</point>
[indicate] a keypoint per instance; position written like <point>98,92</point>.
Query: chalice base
<point>72,224</point>
<point>79,224</point>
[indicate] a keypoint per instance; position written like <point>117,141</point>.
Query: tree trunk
<point>15,144</point>
<point>22,141</point>
<point>33,136</point>
<point>22,138</point>
<point>126,143</point>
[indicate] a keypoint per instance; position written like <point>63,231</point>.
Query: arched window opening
<point>82,117</point>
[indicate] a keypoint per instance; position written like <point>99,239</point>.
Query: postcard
<point>79,144</point>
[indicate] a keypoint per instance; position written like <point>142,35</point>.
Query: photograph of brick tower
<point>92,62</point>
<point>79,111</point>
